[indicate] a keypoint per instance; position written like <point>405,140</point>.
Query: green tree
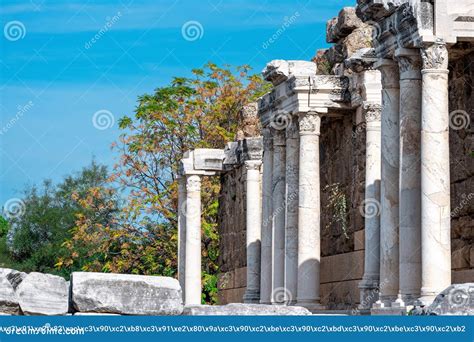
<point>50,214</point>
<point>200,111</point>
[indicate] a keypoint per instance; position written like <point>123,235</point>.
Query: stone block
<point>240,277</point>
<point>341,26</point>
<point>126,294</point>
<point>208,159</point>
<point>234,295</point>
<point>460,258</point>
<point>8,299</point>
<point>456,300</point>
<point>463,276</point>
<point>340,295</point>
<point>43,294</point>
<point>245,310</point>
<point>341,267</point>
<point>278,71</point>
<point>359,240</point>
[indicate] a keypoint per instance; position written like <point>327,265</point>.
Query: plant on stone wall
<point>337,206</point>
<point>197,112</point>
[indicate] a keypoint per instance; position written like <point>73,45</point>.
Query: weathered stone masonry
<point>370,142</point>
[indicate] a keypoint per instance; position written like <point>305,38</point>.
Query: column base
<point>369,293</point>
<point>311,305</point>
<point>251,297</point>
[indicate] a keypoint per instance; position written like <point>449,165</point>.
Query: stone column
<point>182,232</point>
<point>389,255</point>
<point>369,286</point>
<point>278,202</point>
<point>254,222</point>
<point>435,174</point>
<point>267,219</point>
<point>291,230</point>
<point>309,213</point>
<point>409,61</point>
<point>193,240</point>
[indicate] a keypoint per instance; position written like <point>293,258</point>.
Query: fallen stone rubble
<point>89,294</point>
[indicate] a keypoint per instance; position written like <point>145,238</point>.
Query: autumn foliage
<point>141,236</point>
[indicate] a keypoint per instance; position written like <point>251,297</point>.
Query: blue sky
<point>54,77</point>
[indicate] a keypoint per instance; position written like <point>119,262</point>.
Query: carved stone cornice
<point>361,60</point>
<point>435,56</point>
<point>403,24</point>
<point>310,123</point>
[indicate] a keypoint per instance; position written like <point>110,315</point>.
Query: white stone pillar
<point>193,240</point>
<point>389,254</point>
<point>267,219</point>
<point>291,230</point>
<point>369,286</point>
<point>309,213</point>
<point>253,223</point>
<point>278,197</point>
<point>435,174</point>
<point>409,61</point>
<point>182,232</point>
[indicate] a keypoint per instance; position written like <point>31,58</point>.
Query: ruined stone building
<point>355,188</point>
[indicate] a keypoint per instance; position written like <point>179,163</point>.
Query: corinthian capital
<point>372,112</point>
<point>435,56</point>
<point>310,123</point>
<point>193,183</point>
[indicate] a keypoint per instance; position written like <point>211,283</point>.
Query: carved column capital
<point>253,165</point>
<point>410,63</point>
<point>292,131</point>
<point>390,73</point>
<point>193,183</point>
<point>310,123</point>
<point>435,56</point>
<point>279,137</point>
<point>372,112</point>
<point>267,139</point>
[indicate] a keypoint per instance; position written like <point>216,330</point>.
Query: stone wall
<point>462,166</point>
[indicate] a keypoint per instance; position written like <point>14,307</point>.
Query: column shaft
<point>193,241</point>
<point>279,158</point>
<point>309,215</point>
<point>435,174</point>
<point>267,219</point>
<point>253,223</point>
<point>291,230</point>
<point>410,178</point>
<point>182,232</point>
<point>370,281</point>
<point>389,215</point>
